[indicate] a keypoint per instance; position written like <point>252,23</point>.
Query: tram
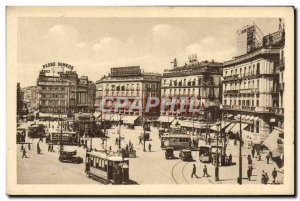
<point>177,141</point>
<point>36,131</point>
<point>68,137</point>
<point>107,169</point>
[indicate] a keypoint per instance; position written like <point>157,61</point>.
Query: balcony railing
<point>250,109</point>
<point>232,77</point>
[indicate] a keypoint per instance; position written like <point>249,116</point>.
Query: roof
<point>104,156</point>
<point>177,135</point>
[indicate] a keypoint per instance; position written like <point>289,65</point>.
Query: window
<point>257,68</point>
<point>170,82</point>
<point>164,81</point>
<point>257,103</point>
<point>239,102</point>
<point>225,102</point>
<point>253,103</point>
<point>230,102</point>
<point>243,102</point>
<point>257,84</point>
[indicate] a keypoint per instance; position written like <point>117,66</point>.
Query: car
<point>169,153</point>
<point>186,155</point>
<point>70,156</point>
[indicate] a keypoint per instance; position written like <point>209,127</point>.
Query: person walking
<point>253,152</point>
<point>205,171</point>
<point>29,146</point>
<point>268,158</point>
<point>249,173</point>
<point>194,171</point>
<point>141,142</point>
<point>230,159</point>
<point>249,159</point>
<point>274,175</point>
<point>263,177</point>
<point>149,147</point>
<point>49,147</point>
<point>266,178</point>
<point>24,153</point>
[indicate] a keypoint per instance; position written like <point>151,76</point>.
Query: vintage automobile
<point>70,156</point>
<point>186,155</point>
<point>205,154</point>
<point>169,153</point>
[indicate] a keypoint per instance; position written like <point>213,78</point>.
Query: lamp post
<point>217,155</point>
<point>144,126</point>
<point>207,120</point>
<point>240,154</point>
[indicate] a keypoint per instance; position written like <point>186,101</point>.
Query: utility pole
<point>144,126</point>
<point>120,131</point>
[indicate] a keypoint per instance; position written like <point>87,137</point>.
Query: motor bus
<point>68,137</point>
<point>177,141</point>
<point>36,131</point>
<point>107,169</point>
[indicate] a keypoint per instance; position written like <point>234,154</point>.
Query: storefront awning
<point>272,143</point>
<point>166,119</point>
<point>229,127</point>
<point>222,126</point>
<point>237,127</point>
<point>129,119</point>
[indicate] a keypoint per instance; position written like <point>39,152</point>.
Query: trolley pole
<point>144,126</point>
<point>120,132</point>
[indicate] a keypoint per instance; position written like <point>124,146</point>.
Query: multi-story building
<point>130,83</point>
<point>60,90</point>
<point>201,80</point>
<point>251,85</point>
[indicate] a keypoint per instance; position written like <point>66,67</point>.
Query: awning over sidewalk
<point>223,125</point>
<point>166,119</point>
<point>189,124</point>
<point>272,143</point>
<point>97,114</point>
<point>230,126</point>
<point>129,119</point>
<point>236,128</point>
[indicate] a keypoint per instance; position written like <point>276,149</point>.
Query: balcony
<point>231,91</point>
<point>279,111</point>
<point>281,64</point>
<point>232,77</point>
<point>250,109</point>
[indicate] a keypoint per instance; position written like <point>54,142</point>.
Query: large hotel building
<point>130,83</point>
<point>252,87</point>
<point>61,92</point>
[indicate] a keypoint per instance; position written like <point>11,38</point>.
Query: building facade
<point>251,85</point>
<point>60,91</point>
<point>129,83</point>
<point>199,80</point>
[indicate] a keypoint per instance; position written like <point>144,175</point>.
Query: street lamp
<point>218,124</point>
<point>240,153</point>
<point>144,126</point>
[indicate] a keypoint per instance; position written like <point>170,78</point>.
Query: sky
<point>94,45</point>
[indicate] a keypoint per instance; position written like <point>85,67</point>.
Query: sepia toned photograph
<point>150,101</point>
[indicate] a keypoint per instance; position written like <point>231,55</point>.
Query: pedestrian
<point>24,153</point>
<point>253,152</point>
<point>205,171</point>
<point>230,159</point>
<point>149,147</point>
<point>268,158</point>
<point>110,148</point>
<point>263,177</point>
<point>249,173</point>
<point>194,171</point>
<point>117,141</point>
<point>29,146</point>
<point>274,175</point>
<point>249,159</point>
<point>266,178</point>
<point>22,147</point>
<point>126,148</point>
<point>141,142</point>
<point>49,147</point>
<point>235,143</point>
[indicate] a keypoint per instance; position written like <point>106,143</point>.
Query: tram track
<point>182,172</point>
